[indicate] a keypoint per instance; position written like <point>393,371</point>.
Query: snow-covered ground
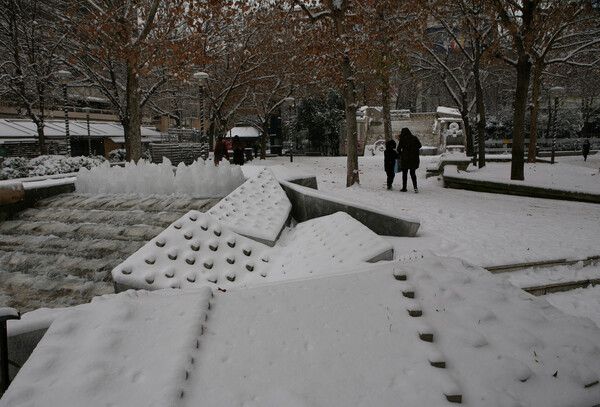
<point>345,337</point>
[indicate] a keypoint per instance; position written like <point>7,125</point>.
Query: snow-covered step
<point>133,217</point>
<point>28,292</point>
<point>128,202</point>
<point>87,230</point>
<point>57,264</point>
<point>85,248</point>
<point>258,209</point>
<point>193,251</point>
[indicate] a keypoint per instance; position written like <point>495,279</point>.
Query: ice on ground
<point>258,209</point>
<point>201,178</point>
<point>131,349</point>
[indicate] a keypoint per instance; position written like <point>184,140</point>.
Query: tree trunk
<point>464,113</point>
<point>385,100</point>
<point>263,140</point>
<point>41,138</point>
<point>535,109</point>
<point>350,111</point>
<point>480,107</point>
<point>132,127</point>
<point>520,106</point>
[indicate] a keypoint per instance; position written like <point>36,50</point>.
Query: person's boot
<point>416,190</point>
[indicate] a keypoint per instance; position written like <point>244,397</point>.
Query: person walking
<point>221,151</point>
<point>390,155</point>
<point>408,149</point>
<point>238,150</point>
<point>585,150</point>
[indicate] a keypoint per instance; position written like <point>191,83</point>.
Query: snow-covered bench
<point>460,160</point>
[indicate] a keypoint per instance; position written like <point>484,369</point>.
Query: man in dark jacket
<point>389,160</point>
<point>408,149</point>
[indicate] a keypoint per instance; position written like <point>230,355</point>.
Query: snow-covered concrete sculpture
<point>258,209</point>
<point>198,250</point>
<point>327,242</point>
<point>193,251</point>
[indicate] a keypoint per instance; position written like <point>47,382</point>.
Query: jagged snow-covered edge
<point>258,209</point>
<point>200,178</point>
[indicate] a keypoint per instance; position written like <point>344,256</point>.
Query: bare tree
<point>29,58</point>
<point>333,20</point>
<point>128,50</point>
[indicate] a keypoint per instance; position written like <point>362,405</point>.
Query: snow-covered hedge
<point>19,167</point>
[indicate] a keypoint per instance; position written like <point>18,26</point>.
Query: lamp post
<point>555,92</point>
<point>200,78</point>
<point>290,102</point>
<point>64,76</point>
<point>87,119</point>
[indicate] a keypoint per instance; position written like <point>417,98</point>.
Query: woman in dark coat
<point>408,149</point>
<point>389,160</point>
<point>238,150</point>
<point>586,149</point>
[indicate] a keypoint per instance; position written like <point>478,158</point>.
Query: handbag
<point>397,166</point>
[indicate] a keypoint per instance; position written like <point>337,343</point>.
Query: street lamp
<point>555,92</point>
<point>87,119</point>
<point>64,76</point>
<point>290,101</point>
<point>200,78</point>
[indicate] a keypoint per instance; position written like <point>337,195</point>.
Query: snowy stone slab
<point>130,349</point>
<point>323,244</point>
<point>336,341</point>
<point>193,251</point>
<point>509,347</point>
<point>258,209</point>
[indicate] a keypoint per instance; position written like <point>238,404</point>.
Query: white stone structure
<point>258,209</point>
<point>434,129</point>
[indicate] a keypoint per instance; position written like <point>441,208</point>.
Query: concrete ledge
<point>309,204</point>
<point>519,190</point>
<point>32,195</point>
<point>561,287</point>
<point>20,348</point>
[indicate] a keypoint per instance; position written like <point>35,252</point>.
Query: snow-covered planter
<point>19,167</point>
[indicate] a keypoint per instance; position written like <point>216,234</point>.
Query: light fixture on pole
<point>200,78</point>
<point>290,102</point>
<point>64,76</point>
<point>555,92</point>
<point>87,119</point>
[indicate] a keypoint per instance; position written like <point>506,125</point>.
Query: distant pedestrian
<point>408,149</point>
<point>390,156</point>
<point>585,150</point>
<point>238,150</point>
<point>221,151</point>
